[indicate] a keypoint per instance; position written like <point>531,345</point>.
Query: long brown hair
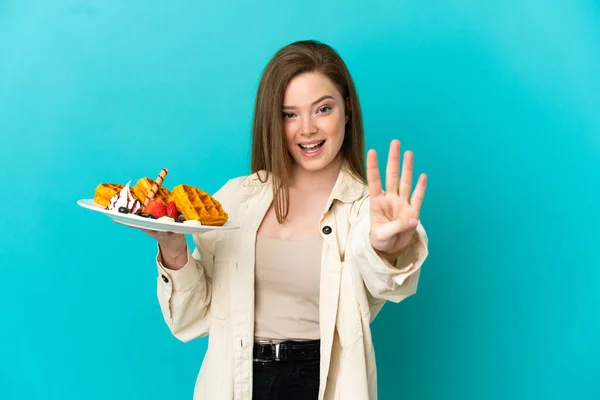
<point>269,150</point>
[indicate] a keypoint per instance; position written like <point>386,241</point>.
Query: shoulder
<point>256,179</point>
<point>241,186</point>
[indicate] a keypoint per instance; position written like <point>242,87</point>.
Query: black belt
<point>290,350</point>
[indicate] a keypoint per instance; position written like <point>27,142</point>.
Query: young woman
<point>287,299</point>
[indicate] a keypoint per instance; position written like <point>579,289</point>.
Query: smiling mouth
<point>312,147</point>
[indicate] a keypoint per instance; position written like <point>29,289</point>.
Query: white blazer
<point>213,294</point>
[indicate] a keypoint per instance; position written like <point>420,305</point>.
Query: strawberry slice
<point>156,207</point>
<point>172,210</point>
<point>160,210</point>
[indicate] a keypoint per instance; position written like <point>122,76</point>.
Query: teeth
<point>311,146</point>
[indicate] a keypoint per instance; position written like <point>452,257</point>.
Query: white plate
<point>148,223</point>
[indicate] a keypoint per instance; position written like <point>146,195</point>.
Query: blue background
<point>499,100</point>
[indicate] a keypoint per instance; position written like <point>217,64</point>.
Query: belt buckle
<point>277,349</point>
<point>277,345</point>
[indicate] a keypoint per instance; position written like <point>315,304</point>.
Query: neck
<point>314,180</point>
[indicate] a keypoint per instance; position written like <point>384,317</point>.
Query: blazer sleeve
<point>393,281</point>
<point>185,295</point>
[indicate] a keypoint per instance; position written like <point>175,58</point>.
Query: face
<point>314,121</point>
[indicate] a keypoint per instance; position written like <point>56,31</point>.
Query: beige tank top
<point>287,280</point>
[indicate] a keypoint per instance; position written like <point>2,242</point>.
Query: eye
<point>288,115</point>
<point>324,109</point>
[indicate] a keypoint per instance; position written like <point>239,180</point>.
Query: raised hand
<point>395,212</point>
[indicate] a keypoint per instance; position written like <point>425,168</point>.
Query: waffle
<point>142,188</point>
<point>105,191</point>
<point>196,204</point>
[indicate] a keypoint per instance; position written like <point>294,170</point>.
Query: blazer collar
<point>347,187</point>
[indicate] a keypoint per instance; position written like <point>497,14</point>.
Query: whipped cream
<point>192,222</point>
<point>124,199</point>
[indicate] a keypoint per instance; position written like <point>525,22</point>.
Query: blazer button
<point>327,229</point>
<point>165,279</point>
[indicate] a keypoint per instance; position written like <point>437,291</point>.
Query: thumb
<point>383,232</point>
<point>390,229</point>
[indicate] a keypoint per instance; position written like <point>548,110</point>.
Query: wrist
<point>389,256</point>
<point>174,255</point>
<point>173,245</point>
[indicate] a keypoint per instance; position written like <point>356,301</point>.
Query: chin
<point>312,166</point>
<point>315,164</point>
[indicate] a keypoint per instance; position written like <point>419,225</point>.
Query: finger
<point>417,198</point>
<point>393,168</point>
<point>406,178</point>
<point>373,177</point>
<point>390,229</point>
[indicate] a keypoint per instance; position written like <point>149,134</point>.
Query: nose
<point>308,126</point>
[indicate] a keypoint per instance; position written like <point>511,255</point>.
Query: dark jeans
<point>286,380</point>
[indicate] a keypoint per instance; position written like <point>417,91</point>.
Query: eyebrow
<point>313,103</point>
